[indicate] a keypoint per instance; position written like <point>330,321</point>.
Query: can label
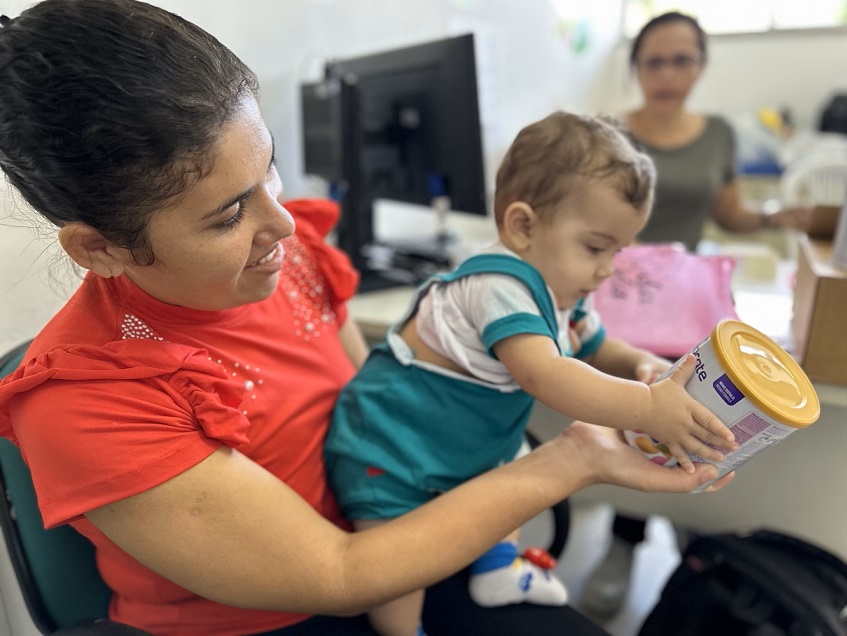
<point>754,430</point>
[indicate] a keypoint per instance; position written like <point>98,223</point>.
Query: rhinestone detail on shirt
<point>133,328</point>
<point>303,285</point>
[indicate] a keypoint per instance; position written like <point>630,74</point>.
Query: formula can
<point>752,384</point>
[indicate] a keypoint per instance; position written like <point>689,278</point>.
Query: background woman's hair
<point>548,158</point>
<point>668,18</point>
<point>109,109</point>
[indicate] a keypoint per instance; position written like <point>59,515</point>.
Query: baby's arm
<point>663,410</point>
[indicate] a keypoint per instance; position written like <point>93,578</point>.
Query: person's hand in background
<point>795,218</point>
<point>649,368</point>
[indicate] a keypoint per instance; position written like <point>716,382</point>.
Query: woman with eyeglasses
<point>693,152</point>
<point>696,180</point>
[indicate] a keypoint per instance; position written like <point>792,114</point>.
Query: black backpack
<point>761,584</point>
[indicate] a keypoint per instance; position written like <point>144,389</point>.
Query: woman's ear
<point>519,225</point>
<point>89,249</point>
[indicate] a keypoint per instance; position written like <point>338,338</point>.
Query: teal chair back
<point>55,568</point>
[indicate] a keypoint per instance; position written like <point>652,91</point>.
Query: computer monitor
<point>401,125</point>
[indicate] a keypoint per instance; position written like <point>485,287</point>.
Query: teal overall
<point>404,431</point>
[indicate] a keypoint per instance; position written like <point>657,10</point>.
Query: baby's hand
<point>682,423</point>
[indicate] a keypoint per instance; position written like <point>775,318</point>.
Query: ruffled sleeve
<point>315,218</point>
<point>97,424</point>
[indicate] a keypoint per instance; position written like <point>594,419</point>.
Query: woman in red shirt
<point>197,364</point>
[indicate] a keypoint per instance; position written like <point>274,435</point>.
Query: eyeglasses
<point>681,63</point>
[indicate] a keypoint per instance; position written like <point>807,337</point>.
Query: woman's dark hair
<point>109,109</point>
<point>668,18</point>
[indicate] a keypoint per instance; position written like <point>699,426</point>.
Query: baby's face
<point>575,247</point>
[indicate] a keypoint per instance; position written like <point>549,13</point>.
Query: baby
<point>448,394</point>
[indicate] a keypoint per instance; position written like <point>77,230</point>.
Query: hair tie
<point>5,20</point>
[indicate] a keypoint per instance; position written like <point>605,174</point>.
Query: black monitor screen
<point>419,118</point>
<point>400,125</point>
<point>401,148</point>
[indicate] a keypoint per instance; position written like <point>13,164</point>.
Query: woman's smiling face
<point>217,246</point>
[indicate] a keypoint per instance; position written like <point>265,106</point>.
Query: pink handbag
<point>665,299</point>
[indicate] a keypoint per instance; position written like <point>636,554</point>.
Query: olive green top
<point>689,178</point>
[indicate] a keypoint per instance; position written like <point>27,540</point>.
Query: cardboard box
<point>819,323</point>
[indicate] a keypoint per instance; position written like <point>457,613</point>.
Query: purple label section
<point>727,390</point>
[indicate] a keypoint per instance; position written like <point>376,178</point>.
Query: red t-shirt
<point>121,392</point>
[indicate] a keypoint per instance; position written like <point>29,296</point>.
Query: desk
<point>798,486</point>
<point>375,311</point>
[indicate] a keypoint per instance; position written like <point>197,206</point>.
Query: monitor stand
<point>383,265</point>
<point>371,280</point>
<point>395,265</point>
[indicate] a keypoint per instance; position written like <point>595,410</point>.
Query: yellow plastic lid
<point>765,373</point>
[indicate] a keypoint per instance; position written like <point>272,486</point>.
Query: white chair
<point>809,142</point>
<point>818,178</point>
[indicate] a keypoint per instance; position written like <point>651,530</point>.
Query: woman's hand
<point>609,459</point>
<point>795,218</point>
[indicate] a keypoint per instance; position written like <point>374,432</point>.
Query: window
<point>741,16</point>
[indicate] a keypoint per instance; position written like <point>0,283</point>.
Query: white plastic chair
<point>818,178</point>
<point>809,142</point>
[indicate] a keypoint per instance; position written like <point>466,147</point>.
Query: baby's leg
<point>402,616</point>
<point>502,576</point>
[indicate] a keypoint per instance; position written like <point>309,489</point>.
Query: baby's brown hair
<point>548,157</point>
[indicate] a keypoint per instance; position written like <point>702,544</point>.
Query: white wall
<point>34,278</point>
<point>529,64</point>
<point>526,57</point>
